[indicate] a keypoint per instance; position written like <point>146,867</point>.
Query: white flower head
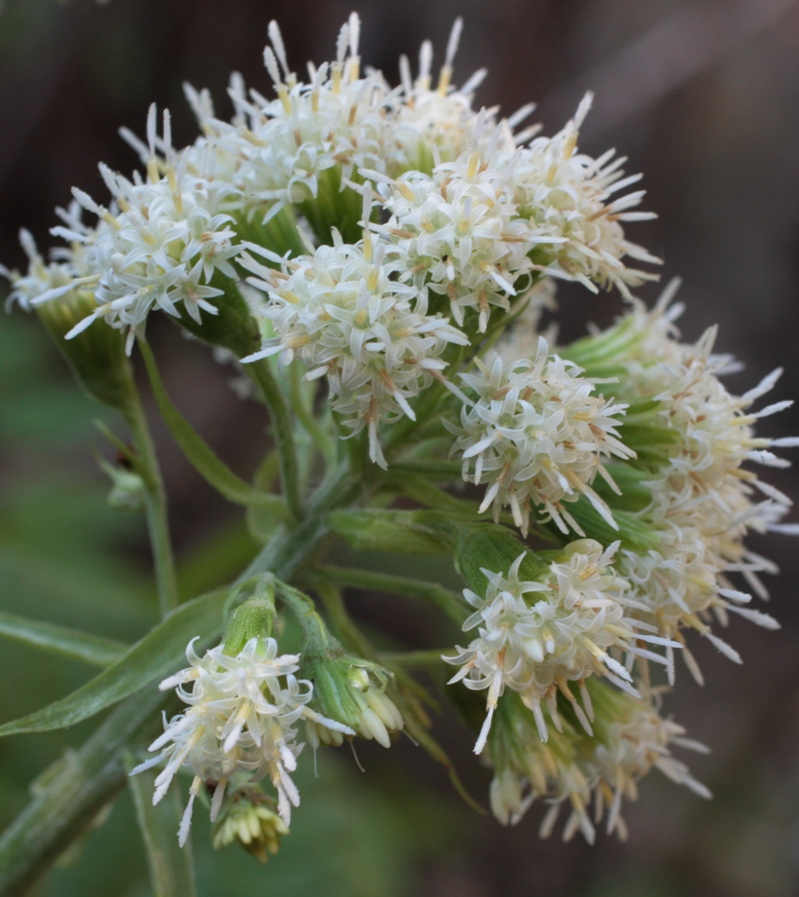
<point>537,434</point>
<point>535,637</point>
<point>160,244</point>
<point>241,716</point>
<point>68,269</point>
<point>569,195</point>
<point>457,231</point>
<point>346,316</point>
<point>278,151</point>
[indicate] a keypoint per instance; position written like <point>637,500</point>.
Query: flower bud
<point>253,619</point>
<point>353,692</point>
<point>249,818</point>
<point>127,489</point>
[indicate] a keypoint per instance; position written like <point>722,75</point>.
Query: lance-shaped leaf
<point>199,453</point>
<point>91,649</point>
<point>153,657</point>
<point>171,869</point>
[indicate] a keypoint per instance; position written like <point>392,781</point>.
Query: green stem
<point>283,431</point>
<point>65,808</point>
<point>290,547</point>
<point>156,509</point>
<point>431,657</point>
<point>450,602</point>
<point>316,638</point>
<point>320,439</point>
<point>350,635</point>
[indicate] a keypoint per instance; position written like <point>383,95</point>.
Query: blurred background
<point>703,96</point>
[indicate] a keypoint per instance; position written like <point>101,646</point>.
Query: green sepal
<point>495,548</point>
<point>253,619</point>
<point>632,533</point>
<point>233,327</point>
<point>409,532</point>
<point>279,233</point>
<point>96,356</point>
<point>333,207</point>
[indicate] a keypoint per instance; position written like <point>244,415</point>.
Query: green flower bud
<point>96,355</point>
<point>255,618</point>
<point>248,817</point>
<point>128,490</point>
<point>351,691</point>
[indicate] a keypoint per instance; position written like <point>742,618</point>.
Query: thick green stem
<point>445,599</point>
<point>156,509</point>
<point>282,430</point>
<point>65,808</point>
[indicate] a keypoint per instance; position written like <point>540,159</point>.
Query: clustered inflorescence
<point>383,255</point>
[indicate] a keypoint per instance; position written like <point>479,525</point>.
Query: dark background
<point>704,98</point>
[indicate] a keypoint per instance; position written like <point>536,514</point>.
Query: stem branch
<point>261,374</point>
<point>156,509</point>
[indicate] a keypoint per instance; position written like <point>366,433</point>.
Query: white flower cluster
<point>347,316</point>
<point>630,749</point>
<point>47,281</point>
<point>535,637</point>
<point>538,434</point>
<point>241,716</point>
<point>467,216</point>
<point>161,243</point>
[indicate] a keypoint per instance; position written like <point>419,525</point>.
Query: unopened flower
<point>241,716</point>
<point>353,692</point>
<point>247,816</point>
<point>537,433</point>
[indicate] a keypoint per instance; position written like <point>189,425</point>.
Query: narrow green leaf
<point>92,649</point>
<point>153,657</point>
<point>200,454</point>
<point>171,867</point>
